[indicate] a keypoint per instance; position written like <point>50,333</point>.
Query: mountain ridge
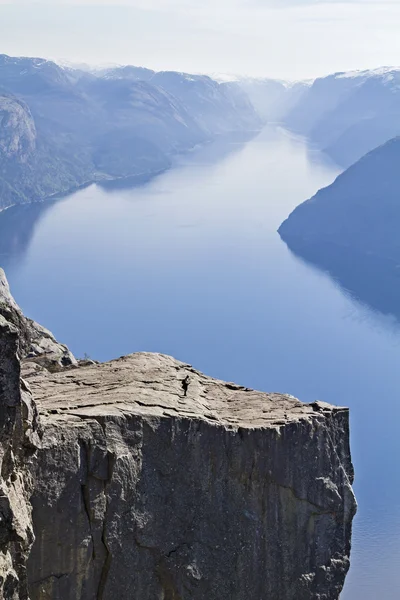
<point>91,127</point>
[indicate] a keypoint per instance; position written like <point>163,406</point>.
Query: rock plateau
<point>142,478</point>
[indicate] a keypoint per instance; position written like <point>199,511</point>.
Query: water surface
<point>190,264</point>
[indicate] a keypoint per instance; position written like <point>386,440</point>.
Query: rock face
<point>35,342</point>
<point>19,438</point>
<point>177,486</point>
<point>151,480</point>
<point>17,129</point>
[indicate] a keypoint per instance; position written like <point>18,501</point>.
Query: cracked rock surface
<point>154,481</point>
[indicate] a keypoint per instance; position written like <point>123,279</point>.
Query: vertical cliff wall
<point>155,481</point>
<point>19,439</point>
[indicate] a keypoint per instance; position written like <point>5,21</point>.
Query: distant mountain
<point>217,107</point>
<point>126,72</point>
<point>31,166</point>
<point>350,230</point>
<point>354,220</point>
<point>360,210</point>
<point>273,99</point>
<point>349,114</point>
<point>62,127</point>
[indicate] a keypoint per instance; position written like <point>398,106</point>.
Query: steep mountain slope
<point>61,128</point>
<point>217,107</point>
<point>30,165</point>
<point>140,125</point>
<point>350,230</point>
<point>18,132</point>
<point>323,96</point>
<point>349,114</point>
<point>358,213</point>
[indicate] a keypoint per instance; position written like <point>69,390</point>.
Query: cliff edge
<point>148,479</point>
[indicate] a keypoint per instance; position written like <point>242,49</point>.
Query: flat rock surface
<point>155,384</point>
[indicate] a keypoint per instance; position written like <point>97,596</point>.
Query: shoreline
<point>108,180</point>
<point>82,186</point>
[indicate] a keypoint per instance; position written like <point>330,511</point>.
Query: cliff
<point>34,341</point>
<point>149,479</point>
<point>19,439</point>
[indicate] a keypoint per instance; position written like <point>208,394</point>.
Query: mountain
<point>349,114</point>
<point>140,124</point>
<point>273,99</point>
<point>359,211</point>
<point>61,127</point>
<point>30,166</point>
<point>217,107</point>
<point>350,228</point>
<point>127,72</point>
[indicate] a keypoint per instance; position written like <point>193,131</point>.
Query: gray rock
<point>155,481</point>
<point>19,438</point>
<point>17,129</point>
<point>35,342</point>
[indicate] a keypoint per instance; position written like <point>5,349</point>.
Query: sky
<point>286,39</point>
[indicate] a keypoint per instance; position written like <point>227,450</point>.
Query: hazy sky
<point>279,38</point>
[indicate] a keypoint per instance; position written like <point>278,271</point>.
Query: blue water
<point>190,264</point>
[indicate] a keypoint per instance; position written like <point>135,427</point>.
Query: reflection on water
<point>17,225</point>
<point>371,280</point>
<point>190,264</point>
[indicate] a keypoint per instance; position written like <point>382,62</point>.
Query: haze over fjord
<point>290,39</point>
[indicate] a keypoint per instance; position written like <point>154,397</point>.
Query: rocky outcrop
<point>19,438</point>
<point>150,480</point>
<point>17,129</point>
<point>177,486</point>
<point>35,342</point>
